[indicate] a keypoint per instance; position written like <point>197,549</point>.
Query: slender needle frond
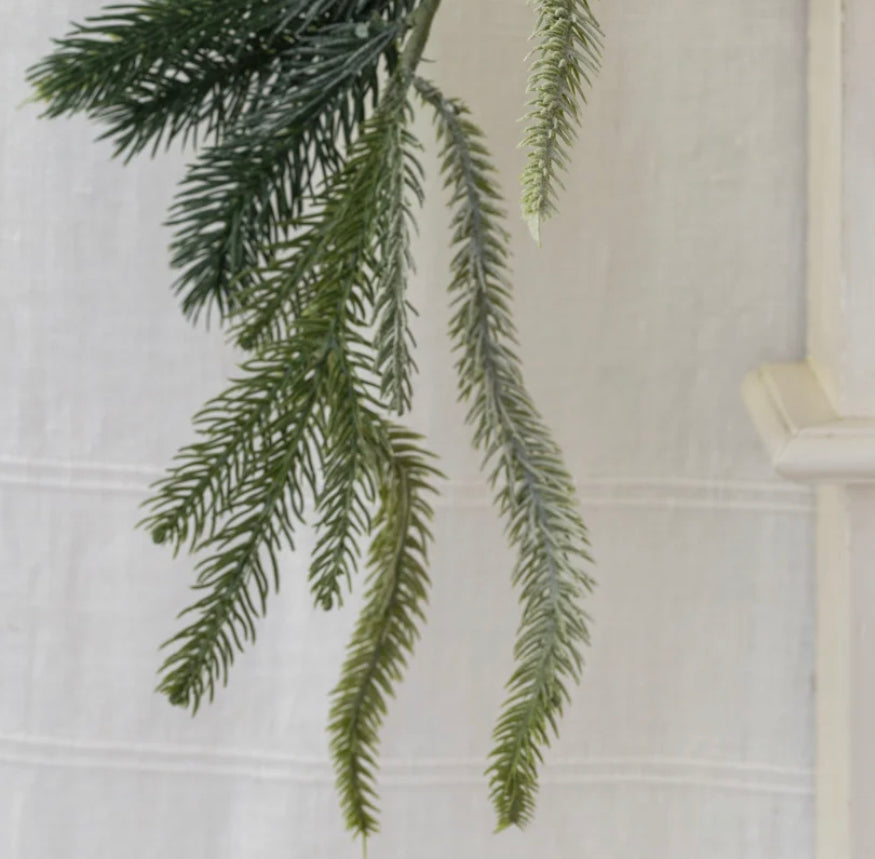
<point>394,341</point>
<point>567,56</point>
<point>241,560</point>
<point>191,499</point>
<point>387,627</point>
<point>533,489</point>
<point>349,479</point>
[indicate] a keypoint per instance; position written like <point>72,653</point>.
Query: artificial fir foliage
<point>568,55</point>
<point>293,225</point>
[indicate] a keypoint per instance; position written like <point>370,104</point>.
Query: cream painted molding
<point>817,418</point>
<point>805,437</point>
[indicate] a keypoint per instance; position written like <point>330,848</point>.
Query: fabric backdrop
<point>675,266</point>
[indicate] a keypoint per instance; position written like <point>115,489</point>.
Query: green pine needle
<point>241,560</point>
<point>393,340</point>
<point>279,86</point>
<point>296,420</point>
<point>294,222</point>
<point>387,628</point>
<point>566,58</point>
<point>533,489</point>
<point>240,195</point>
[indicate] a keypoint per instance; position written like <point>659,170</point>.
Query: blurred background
<point>676,265</point>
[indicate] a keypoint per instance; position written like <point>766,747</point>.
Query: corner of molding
<point>806,439</point>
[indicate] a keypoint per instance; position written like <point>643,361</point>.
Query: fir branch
<point>206,100</point>
<point>294,416</point>
<point>393,340</point>
<point>237,574</point>
<point>567,57</point>
<point>161,69</point>
<point>343,239</point>
<point>238,195</point>
<point>535,493</point>
<point>387,628</point>
<point>354,231</point>
<point>98,63</point>
<point>348,483</point>
<point>190,500</point>
<point>243,484</point>
<point>280,85</point>
<point>359,210</point>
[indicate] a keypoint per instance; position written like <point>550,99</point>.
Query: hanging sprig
<point>388,626</point>
<point>294,223</point>
<point>533,489</point>
<point>567,56</point>
<point>393,338</point>
<point>291,426</point>
<point>279,87</point>
<point>241,560</point>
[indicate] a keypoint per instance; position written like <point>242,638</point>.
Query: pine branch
<point>206,100</point>
<point>264,444</point>
<point>393,340</point>
<point>237,573</point>
<point>191,499</point>
<point>348,482</point>
<point>238,195</point>
<point>358,229</point>
<point>160,69</point>
<point>535,493</point>
<point>358,217</point>
<point>567,57</point>
<point>280,85</point>
<point>99,62</point>
<point>387,628</point>
<point>292,422</point>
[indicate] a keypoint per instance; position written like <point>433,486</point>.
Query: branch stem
<point>420,29</point>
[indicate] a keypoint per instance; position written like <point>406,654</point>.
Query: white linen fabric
<point>675,266</point>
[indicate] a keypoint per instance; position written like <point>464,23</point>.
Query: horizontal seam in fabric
<point>731,775</point>
<point>645,492</point>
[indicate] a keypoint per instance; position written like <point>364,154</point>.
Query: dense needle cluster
<point>293,224</point>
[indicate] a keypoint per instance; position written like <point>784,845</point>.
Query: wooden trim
<point>805,437</point>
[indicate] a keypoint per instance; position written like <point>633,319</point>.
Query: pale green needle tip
<point>533,222</point>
